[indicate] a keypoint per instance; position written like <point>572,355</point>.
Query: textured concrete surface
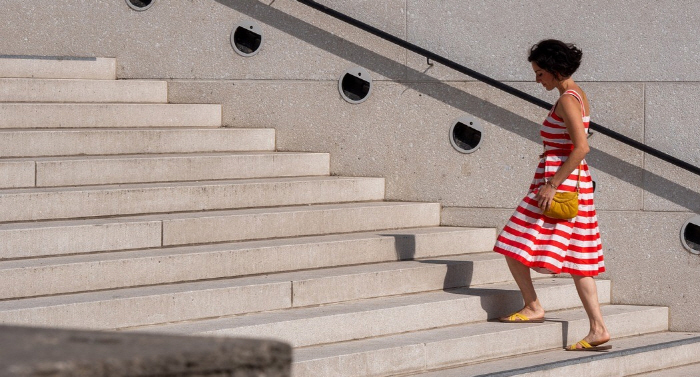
<point>76,273</point>
<point>367,318</point>
<point>308,220</point>
<point>34,90</point>
<point>636,354</point>
<point>646,261</point>
<point>616,38</point>
<point>447,346</point>
<point>31,352</point>
<point>167,168</point>
<point>31,143</point>
<point>115,200</point>
<point>149,305</point>
<point>61,115</point>
<point>15,174</point>
<point>62,67</point>
<point>25,240</point>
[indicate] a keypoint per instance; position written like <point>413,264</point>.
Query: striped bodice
<point>554,135</point>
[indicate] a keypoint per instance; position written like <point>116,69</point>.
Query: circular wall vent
<point>355,85</point>
<point>140,4</point>
<point>690,235</point>
<point>465,134</point>
<point>246,38</point>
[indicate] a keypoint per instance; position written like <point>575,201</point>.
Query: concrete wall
<point>640,71</point>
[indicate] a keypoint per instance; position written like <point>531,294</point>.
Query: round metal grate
<point>466,134</point>
<point>246,38</point>
<point>140,5</point>
<point>355,85</point>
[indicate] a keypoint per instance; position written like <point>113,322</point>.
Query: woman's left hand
<point>544,196</point>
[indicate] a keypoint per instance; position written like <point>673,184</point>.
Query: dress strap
<point>578,97</point>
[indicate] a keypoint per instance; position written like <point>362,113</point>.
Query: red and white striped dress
<point>550,245</point>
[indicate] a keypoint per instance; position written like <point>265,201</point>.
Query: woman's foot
<point>525,315</point>
<point>594,340</point>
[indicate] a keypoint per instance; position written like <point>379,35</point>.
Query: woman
<point>532,240</point>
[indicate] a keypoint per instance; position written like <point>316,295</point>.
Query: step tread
<point>155,156</point>
<point>69,90</point>
<point>230,246</point>
<point>541,361</point>
<point>291,277</point>
<point>201,183</point>
<point>681,371</point>
<point>205,214</point>
<point>57,67</point>
<point>445,334</point>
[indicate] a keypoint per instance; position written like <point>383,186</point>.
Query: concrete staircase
<point>123,212</point>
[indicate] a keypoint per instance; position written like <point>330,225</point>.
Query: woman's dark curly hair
<point>556,57</point>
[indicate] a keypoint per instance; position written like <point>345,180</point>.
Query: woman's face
<point>545,78</point>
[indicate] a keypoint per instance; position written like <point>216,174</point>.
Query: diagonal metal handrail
<point>495,83</point>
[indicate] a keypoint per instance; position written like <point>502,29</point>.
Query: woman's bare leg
<point>521,273</point>
<point>588,292</point>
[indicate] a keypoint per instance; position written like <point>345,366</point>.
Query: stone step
<point>85,91</point>
<point>105,170</point>
<point>46,276</point>
<point>83,115</point>
<point>362,319</point>
<point>131,199</point>
<point>161,304</point>
<point>49,67</point>
<point>454,345</point>
<point>45,238</point>
<point>44,143</point>
<point>140,306</point>
<point>630,356</point>
<point>681,371</point>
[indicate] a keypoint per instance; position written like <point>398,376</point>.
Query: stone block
<point>48,115</point>
<point>39,66</point>
<point>86,91</point>
<point>26,240</point>
<point>615,37</point>
<point>95,201</point>
<point>671,113</point>
<point>16,174</point>
<point>30,352</point>
<point>297,221</point>
<point>136,169</point>
<point>644,258</point>
<point>33,143</point>
<point>143,306</point>
<point>397,278</point>
<point>77,273</point>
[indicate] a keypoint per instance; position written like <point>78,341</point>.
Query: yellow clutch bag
<point>564,204</point>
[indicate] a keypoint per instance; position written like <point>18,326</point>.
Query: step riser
<point>445,354</point>
<point>65,277</point>
<point>61,239</point>
<point>108,115</point>
<point>113,142</point>
<point>17,174</point>
<point>110,202</point>
<point>125,312</point>
<point>85,91</point>
<point>344,327</point>
<point>56,68</point>
<point>170,169</point>
<point>301,222</point>
<point>23,240</point>
<point>388,283</point>
<point>629,365</point>
<point>514,340</point>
